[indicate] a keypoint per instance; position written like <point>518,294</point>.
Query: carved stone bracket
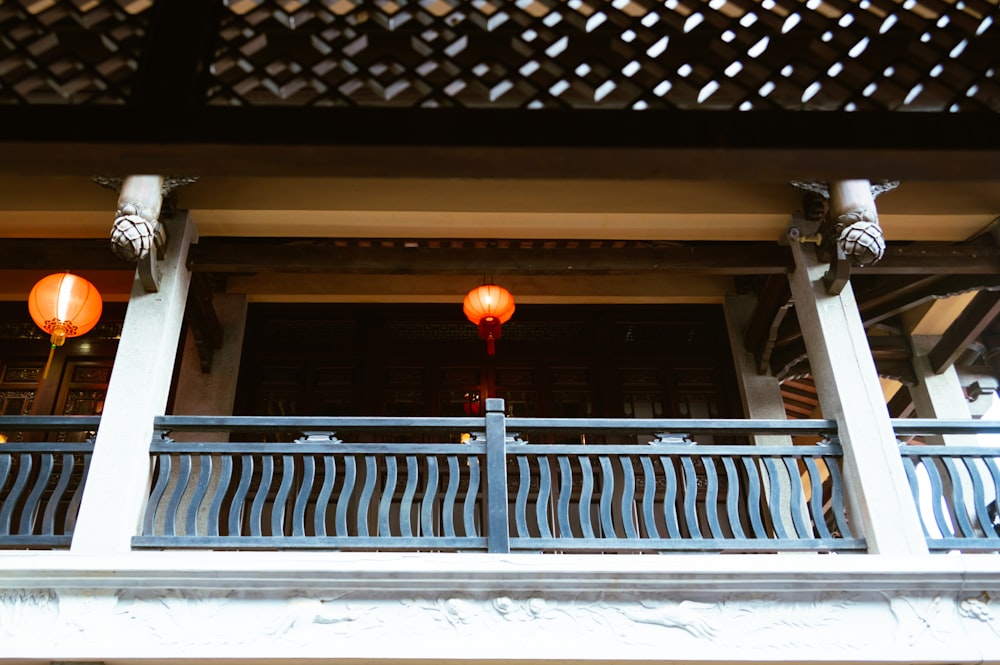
<point>137,229</point>
<point>849,233</point>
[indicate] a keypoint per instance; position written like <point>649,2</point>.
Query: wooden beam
<point>966,266</point>
<point>973,320</point>
<point>235,255</point>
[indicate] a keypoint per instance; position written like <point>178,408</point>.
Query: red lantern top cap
<point>488,300</point>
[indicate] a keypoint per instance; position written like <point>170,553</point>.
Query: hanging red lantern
<point>64,305</point>
<point>489,307</point>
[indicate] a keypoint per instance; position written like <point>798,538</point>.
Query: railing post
<point>497,533</point>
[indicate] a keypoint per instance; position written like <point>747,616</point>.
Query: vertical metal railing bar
<point>173,505</point>
<point>837,494</point>
<point>280,503</point>
<point>628,497</point>
<point>816,497</point>
<point>6,463</point>
<point>909,466</point>
<point>215,507</point>
<point>649,498</point>
<point>690,497</point>
<point>521,502</point>
<point>29,511</point>
<point>937,495</point>
<point>58,492</point>
<point>753,503</point>
<point>963,527</point>
<point>162,469</point>
<point>13,499</point>
<point>979,497</point>
<point>343,501</point>
<point>409,491</point>
<point>712,497</point>
<point>563,525</point>
<point>260,497</point>
<point>607,493</point>
<point>450,494</point>
<point>542,497</point>
<point>198,496</point>
<point>797,499</point>
<point>323,498</point>
<point>385,501</point>
<point>365,500</point>
<point>586,495</point>
<point>427,526</point>
<point>474,490</point>
<point>670,517</point>
<point>733,497</point>
<point>240,495</point>
<point>73,508</point>
<point>301,506</point>
<point>774,499</point>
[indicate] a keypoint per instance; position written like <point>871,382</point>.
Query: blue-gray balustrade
<point>620,486</point>
<point>42,478</point>
<point>955,487</point>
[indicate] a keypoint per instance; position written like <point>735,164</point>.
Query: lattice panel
<point>70,51</point>
<point>627,54</point>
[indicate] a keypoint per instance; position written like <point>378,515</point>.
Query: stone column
<point>761,394</point>
<point>118,480</point>
<point>937,396</point>
<point>214,393</point>
<point>881,504</point>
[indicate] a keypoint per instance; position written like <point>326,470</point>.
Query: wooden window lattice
<point>932,55</point>
<point>70,51</point>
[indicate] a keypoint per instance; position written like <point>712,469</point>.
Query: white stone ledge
<point>482,572</point>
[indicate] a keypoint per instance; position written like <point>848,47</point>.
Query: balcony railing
<point>42,476</point>
<point>955,487</point>
<point>559,485</point>
<point>653,489</point>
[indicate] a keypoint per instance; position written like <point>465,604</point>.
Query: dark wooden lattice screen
<point>70,52</point>
<point>721,54</point>
<point>928,55</point>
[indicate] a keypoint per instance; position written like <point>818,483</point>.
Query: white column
<point>118,479</point>
<point>849,391</point>
<point>937,396</point>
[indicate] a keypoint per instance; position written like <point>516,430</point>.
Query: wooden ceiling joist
<point>973,320</point>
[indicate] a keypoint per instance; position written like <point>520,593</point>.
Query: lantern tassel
<point>48,363</point>
<point>490,347</point>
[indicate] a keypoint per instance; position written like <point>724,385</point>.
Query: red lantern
<point>489,306</point>
<point>64,305</point>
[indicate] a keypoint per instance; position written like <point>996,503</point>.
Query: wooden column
<point>118,479</point>
<point>849,392</point>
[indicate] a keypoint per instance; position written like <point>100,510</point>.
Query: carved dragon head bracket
<point>841,219</point>
<point>137,230</point>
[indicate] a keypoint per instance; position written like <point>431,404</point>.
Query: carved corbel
<point>849,234</point>
<point>137,231</point>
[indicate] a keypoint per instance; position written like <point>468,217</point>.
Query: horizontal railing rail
<point>658,491</point>
<point>955,487</point>
<point>42,478</point>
